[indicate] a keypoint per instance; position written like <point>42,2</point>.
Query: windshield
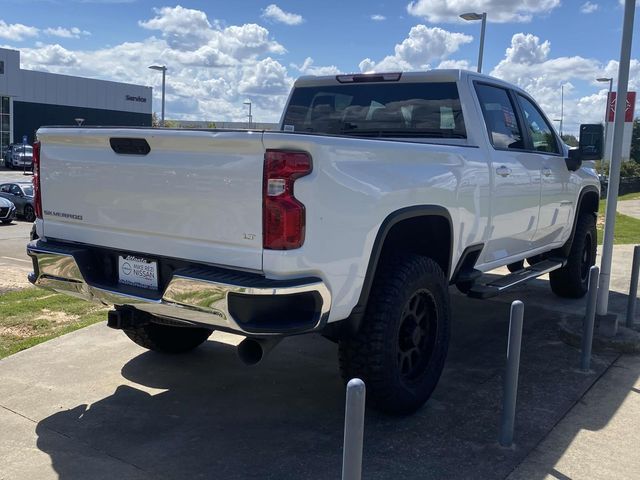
<point>23,149</point>
<point>409,110</point>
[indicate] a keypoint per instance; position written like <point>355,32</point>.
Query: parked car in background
<point>7,211</point>
<point>19,155</point>
<point>21,194</point>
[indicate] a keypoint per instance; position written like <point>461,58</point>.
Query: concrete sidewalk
<point>599,438</point>
<point>630,208</point>
<point>92,405</point>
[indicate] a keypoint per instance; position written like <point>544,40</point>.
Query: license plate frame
<point>138,272</point>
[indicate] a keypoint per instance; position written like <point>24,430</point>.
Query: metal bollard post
<point>353,430</point>
<point>633,287</point>
<point>511,374</point>
<point>589,319</point>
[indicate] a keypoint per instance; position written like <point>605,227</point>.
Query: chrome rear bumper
<point>199,295</point>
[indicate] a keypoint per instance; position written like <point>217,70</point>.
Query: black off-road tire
<point>168,339</point>
<point>400,349</point>
<point>29,214</point>
<point>7,222</point>
<point>572,280</point>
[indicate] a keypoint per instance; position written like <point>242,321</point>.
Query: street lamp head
<point>604,79</point>
<point>248,102</point>
<point>471,16</point>
<point>160,68</point>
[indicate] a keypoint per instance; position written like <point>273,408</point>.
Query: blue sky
<point>221,53</point>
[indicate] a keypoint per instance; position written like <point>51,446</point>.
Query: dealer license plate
<point>138,272</point>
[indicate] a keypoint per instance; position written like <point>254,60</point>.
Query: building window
<point>1,67</point>
<point>5,124</point>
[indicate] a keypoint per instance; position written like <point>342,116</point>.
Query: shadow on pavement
<point>284,418</point>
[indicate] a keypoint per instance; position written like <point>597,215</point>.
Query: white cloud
<point>589,7</point>
<point>48,55</point>
<point>424,44</point>
<point>499,11</point>
<point>73,32</point>
<point>527,49</point>
<point>16,31</point>
<point>181,27</point>
<point>276,14</point>
<point>528,64</point>
<point>456,65</point>
<point>378,18</point>
<point>211,69</point>
<point>308,68</point>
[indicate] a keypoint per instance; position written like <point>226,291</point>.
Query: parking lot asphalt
<point>92,404</point>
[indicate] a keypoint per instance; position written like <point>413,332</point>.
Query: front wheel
<point>168,339</point>
<point>402,344</point>
<point>572,280</point>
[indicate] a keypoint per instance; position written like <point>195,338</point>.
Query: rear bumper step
<point>499,285</point>
<point>199,294</point>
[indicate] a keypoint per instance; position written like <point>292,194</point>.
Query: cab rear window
<point>404,110</point>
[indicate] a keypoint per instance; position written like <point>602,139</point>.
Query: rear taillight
<point>37,196</point>
<point>283,216</point>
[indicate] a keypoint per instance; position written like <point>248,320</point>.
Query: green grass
<point>33,315</point>
<point>627,228</point>
<point>630,196</point>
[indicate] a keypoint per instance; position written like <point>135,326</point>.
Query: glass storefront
<point>5,124</point>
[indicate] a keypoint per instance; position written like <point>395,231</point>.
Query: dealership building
<point>31,99</point>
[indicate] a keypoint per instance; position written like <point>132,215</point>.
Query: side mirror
<point>574,160</point>
<point>591,144</point>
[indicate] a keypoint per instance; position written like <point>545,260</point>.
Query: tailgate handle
<point>130,146</point>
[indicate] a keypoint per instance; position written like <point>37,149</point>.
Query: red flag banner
<point>628,113</point>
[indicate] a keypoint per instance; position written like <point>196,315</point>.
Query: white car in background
<point>7,211</point>
<point>19,156</point>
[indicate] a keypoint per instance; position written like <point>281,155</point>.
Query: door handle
<point>546,172</point>
<point>503,171</point>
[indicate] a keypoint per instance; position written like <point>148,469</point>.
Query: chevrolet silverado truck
<point>377,193</point>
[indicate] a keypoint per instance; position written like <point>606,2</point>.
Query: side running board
<point>499,285</point>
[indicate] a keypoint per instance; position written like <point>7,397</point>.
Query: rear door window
<point>405,110</point>
<point>500,118</point>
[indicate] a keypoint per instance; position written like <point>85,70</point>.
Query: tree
<point>635,141</point>
<point>570,140</point>
<point>155,122</point>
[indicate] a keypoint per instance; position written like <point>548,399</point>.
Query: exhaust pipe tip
<point>250,351</point>
<point>253,350</point>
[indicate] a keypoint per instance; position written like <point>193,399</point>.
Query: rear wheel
<point>401,347</point>
<point>168,339</point>
<point>572,280</point>
<point>6,222</point>
<point>29,214</point>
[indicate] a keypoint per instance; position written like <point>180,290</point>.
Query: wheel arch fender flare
<point>414,212</point>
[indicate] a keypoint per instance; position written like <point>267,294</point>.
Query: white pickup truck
<point>378,192</point>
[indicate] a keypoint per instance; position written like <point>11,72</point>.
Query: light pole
<point>470,17</point>
<point>163,69</point>
<point>561,108</point>
<point>606,115</point>
<point>609,322</point>
<point>248,102</point>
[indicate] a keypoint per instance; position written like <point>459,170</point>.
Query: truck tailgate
<point>196,195</point>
